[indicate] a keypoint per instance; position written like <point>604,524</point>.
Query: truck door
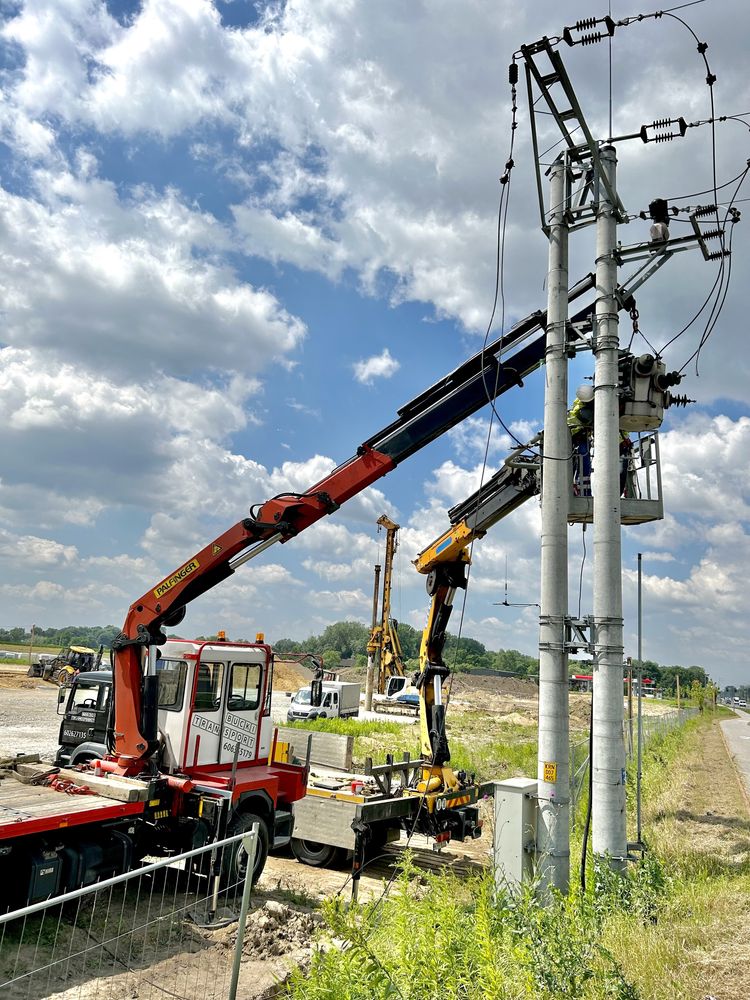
<point>86,713</point>
<point>204,734</point>
<point>246,688</point>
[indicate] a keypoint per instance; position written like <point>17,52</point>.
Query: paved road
<point>737,734</point>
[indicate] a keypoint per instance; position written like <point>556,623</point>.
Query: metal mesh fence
<point>653,726</point>
<point>169,929</point>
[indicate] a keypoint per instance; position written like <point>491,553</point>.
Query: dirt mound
<point>276,929</point>
<point>516,719</point>
<point>16,678</point>
<point>289,676</point>
<point>508,687</point>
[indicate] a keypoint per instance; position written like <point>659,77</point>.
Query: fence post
<point>249,843</point>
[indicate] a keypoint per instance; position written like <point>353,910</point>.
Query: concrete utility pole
<point>553,833</point>
<point>640,701</point>
<point>371,656</point>
<point>608,792</point>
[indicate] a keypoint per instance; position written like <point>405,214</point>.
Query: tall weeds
<point>439,936</point>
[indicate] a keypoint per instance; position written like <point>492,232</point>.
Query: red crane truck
<point>190,749</point>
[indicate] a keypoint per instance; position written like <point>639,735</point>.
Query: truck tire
<point>310,852</point>
<point>234,862</point>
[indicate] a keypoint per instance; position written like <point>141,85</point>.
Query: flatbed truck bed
<point>360,812</point>
<point>29,809</point>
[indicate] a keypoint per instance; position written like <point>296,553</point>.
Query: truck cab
<point>214,700</point>
<point>85,707</point>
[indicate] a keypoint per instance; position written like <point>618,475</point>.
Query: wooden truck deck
<point>27,807</point>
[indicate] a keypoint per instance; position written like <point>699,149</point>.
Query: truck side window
<point>171,674</point>
<point>244,694</point>
<point>269,688</point>
<point>208,689</point>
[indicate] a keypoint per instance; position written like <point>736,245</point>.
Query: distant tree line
<point>666,677</point>
<point>348,640</point>
<point>71,635</point>
<point>345,640</point>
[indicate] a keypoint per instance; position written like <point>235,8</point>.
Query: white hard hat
<point>585,392</point>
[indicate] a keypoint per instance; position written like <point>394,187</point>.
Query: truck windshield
<point>302,697</point>
<point>88,697</point>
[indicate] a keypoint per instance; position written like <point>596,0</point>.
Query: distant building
<point>584,682</point>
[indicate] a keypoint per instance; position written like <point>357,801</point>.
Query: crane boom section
<point>445,562</point>
<point>497,498</point>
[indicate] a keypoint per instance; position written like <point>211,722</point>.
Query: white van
<point>340,701</point>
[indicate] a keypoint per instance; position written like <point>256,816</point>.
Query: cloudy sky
<point>236,236</point>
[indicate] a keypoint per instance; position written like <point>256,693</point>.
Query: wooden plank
<point>22,758</point>
<point>19,802</point>
<point>33,774</point>
<point>109,788</point>
<point>327,749</point>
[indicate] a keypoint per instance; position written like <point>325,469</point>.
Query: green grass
<point>16,647</point>
<point>485,748</point>
<point>465,940</point>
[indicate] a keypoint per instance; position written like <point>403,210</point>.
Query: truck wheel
<point>310,852</point>
<point>234,862</point>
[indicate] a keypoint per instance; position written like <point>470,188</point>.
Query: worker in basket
<point>581,425</point>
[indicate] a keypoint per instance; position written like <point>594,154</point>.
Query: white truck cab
<point>214,700</point>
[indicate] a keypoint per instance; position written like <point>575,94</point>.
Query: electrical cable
<point>720,287</point>
<point>718,281</point>
<point>697,194</point>
<point>583,563</point>
<point>709,331</point>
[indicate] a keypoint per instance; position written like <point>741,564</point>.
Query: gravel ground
<point>28,720</point>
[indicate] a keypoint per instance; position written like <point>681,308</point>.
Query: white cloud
<point>378,366</point>
<point>34,552</point>
<point>126,287</point>
<point>343,602</point>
